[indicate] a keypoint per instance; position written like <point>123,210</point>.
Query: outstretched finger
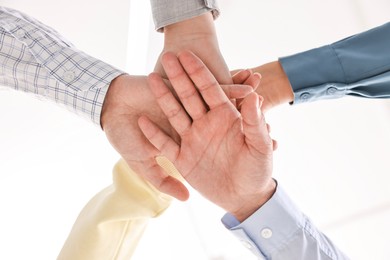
<point>156,176</point>
<point>167,148</point>
<point>203,79</point>
<point>237,90</point>
<point>165,144</point>
<point>175,113</point>
<point>168,184</point>
<point>183,86</point>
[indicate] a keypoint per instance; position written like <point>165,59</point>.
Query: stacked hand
<point>129,98</point>
<point>209,138</point>
<point>225,153</point>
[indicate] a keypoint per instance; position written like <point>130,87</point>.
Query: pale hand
<point>127,99</point>
<point>224,153</point>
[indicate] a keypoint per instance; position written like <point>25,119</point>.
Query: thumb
<point>254,125</point>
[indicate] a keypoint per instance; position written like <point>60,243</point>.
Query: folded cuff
<point>166,12</point>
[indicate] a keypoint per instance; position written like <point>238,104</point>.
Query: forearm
<point>190,26</point>
<point>196,28</point>
<point>199,36</point>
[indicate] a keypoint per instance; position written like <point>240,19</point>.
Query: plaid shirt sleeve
<point>35,58</point>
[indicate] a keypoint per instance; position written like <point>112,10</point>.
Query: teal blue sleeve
<point>357,66</point>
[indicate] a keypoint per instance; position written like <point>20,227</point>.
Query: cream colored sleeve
<point>112,223</point>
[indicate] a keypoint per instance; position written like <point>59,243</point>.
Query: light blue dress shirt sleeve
<point>357,66</point>
<point>280,231</point>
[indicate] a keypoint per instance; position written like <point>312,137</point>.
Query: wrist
<point>199,27</point>
<point>252,203</point>
<point>275,86</point>
<point>197,35</point>
<point>112,102</point>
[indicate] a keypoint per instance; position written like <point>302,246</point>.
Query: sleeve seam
<point>341,64</point>
<point>320,245</point>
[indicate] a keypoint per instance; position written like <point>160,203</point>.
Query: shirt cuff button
<point>305,96</point>
<point>331,91</point>
<point>266,233</point>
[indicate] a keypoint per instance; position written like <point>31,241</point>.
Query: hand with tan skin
<point>225,153</point>
<point>130,97</point>
<point>275,85</point>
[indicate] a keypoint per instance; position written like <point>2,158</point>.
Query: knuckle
<point>173,112</point>
<point>188,93</point>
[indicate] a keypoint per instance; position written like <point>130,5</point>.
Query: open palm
<point>128,98</point>
<point>224,153</point>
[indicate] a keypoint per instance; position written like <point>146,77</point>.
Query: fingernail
<point>258,74</point>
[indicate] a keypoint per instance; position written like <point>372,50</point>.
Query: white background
<point>332,160</point>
